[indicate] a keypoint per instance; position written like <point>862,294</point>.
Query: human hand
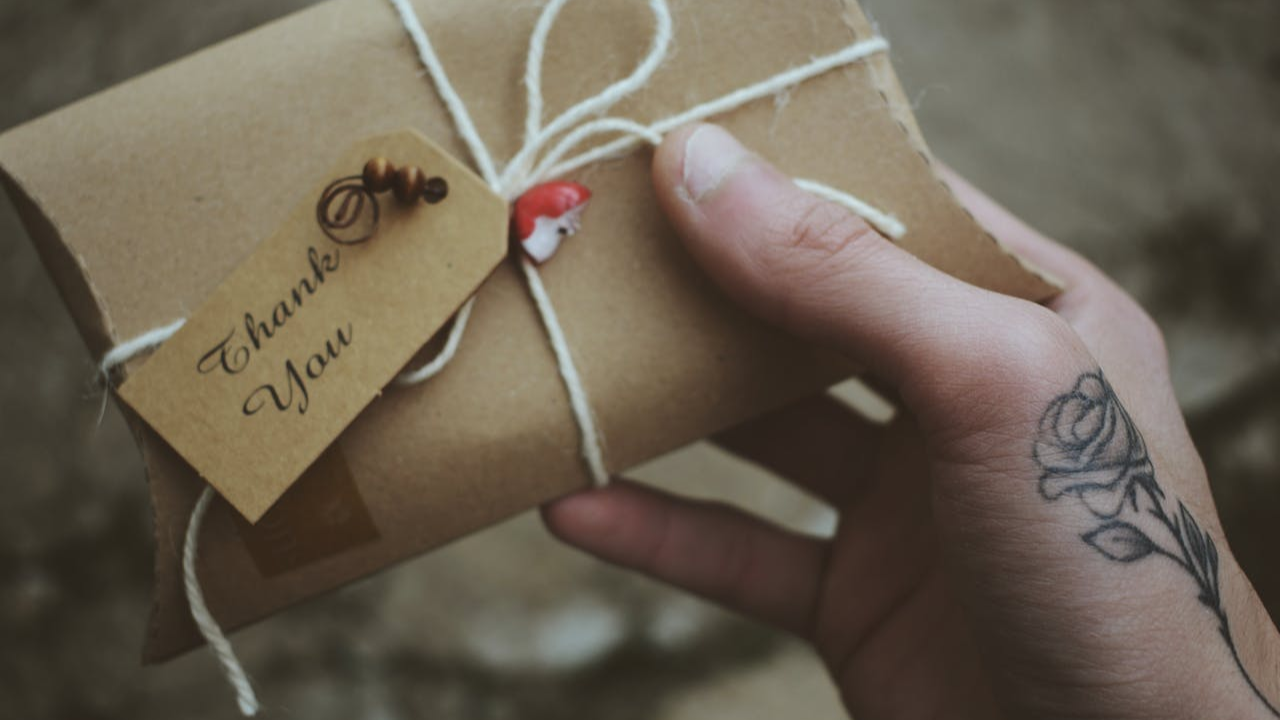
<point>1033,537</point>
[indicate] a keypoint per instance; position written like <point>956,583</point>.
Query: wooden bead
<point>437,189</point>
<point>409,184</point>
<point>378,174</point>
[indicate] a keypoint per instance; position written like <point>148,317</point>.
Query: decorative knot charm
<point>545,215</point>
<point>341,209</point>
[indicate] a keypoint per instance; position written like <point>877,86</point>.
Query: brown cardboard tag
<point>306,332</point>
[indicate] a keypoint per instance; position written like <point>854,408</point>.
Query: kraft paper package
<point>141,200</point>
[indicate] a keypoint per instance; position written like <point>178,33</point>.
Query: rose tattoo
<point>1087,447</point>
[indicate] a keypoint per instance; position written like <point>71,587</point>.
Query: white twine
<point>413,377</point>
<point>218,643</point>
<point>592,452</point>
<point>135,346</point>
<point>444,88</point>
<point>877,218</point>
<point>521,173</point>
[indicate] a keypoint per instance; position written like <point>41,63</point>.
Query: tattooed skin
<point>1088,448</point>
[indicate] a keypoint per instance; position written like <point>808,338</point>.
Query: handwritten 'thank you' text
<point>236,350</point>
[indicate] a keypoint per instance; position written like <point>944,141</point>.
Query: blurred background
<point>1143,133</point>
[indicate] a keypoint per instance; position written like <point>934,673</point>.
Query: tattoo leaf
<point>1202,557</point>
<point>1120,541</point>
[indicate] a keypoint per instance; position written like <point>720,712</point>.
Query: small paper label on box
<point>308,330</point>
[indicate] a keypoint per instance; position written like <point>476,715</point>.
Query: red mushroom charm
<point>546,215</point>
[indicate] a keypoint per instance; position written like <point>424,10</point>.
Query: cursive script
<point>233,352</point>
<point>295,393</point>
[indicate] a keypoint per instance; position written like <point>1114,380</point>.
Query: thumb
<point>813,267</point>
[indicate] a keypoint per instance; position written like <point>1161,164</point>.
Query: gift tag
<point>309,329</point>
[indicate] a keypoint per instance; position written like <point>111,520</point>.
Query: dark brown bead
<point>409,183</point>
<point>378,174</point>
<point>437,189</point>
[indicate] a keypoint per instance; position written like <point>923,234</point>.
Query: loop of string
<point>521,173</point>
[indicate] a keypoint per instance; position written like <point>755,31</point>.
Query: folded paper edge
<point>70,276</point>
<point>889,87</point>
<point>68,270</point>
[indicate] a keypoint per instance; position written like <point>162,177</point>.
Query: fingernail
<point>710,156</point>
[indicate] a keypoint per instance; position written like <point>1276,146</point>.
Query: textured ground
<point>1142,133</point>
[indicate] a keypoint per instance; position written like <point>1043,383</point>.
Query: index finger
<point>817,443</point>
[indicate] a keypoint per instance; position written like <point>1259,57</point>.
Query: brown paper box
<point>143,198</point>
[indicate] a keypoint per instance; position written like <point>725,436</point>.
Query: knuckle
<point>810,253</point>
<point>1143,330</point>
<point>1016,352</point>
<point>996,389</point>
<point>1105,309</point>
<point>1035,339</point>
<point>739,569</point>
<point>655,555</point>
<point>823,232</point>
